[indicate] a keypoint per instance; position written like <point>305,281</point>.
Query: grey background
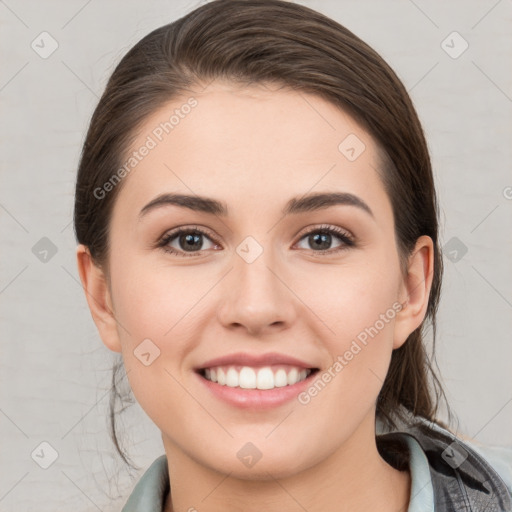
<point>55,371</point>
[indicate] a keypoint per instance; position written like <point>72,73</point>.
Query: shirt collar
<point>151,490</point>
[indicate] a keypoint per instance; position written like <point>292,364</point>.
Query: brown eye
<point>322,239</point>
<point>186,242</point>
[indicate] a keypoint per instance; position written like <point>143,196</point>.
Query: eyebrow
<point>307,203</point>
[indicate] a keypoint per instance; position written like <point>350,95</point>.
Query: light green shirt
<point>151,490</point>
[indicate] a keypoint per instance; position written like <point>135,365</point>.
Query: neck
<point>354,478</point>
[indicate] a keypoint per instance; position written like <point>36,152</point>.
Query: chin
<point>269,461</point>
<point>271,469</point>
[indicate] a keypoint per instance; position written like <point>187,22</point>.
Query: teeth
<point>265,379</point>
<point>232,378</point>
<point>247,378</point>
<point>255,378</point>
<point>280,378</point>
<point>293,376</point>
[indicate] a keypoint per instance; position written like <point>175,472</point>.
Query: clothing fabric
<point>447,474</point>
<point>462,475</point>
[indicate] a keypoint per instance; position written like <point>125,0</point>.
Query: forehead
<point>259,142</point>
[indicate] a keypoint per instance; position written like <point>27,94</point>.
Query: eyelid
<point>330,228</point>
<point>189,227</point>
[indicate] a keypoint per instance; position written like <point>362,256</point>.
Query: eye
<point>320,239</point>
<point>190,241</point>
<point>186,240</point>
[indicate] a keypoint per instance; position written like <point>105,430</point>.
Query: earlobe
<point>415,290</point>
<point>97,293</point>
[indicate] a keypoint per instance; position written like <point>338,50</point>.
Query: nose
<point>256,297</point>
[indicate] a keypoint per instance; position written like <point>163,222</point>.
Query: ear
<point>98,297</point>
<point>415,290</point>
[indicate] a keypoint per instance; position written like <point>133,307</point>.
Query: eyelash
<point>346,239</point>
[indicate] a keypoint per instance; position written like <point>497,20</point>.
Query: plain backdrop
<point>55,371</point>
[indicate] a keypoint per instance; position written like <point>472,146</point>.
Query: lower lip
<point>257,398</point>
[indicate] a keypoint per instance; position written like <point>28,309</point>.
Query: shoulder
<point>464,469</point>
<point>498,457</point>
<point>461,470</point>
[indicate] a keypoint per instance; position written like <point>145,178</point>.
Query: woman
<point>258,237</point>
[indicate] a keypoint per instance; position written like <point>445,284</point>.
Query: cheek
<point>358,308</point>
<point>153,301</point>
<point>354,307</point>
<point>348,298</point>
<point>160,313</point>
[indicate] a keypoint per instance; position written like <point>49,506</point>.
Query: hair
<point>276,42</point>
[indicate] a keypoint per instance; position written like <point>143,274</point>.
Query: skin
<point>255,148</point>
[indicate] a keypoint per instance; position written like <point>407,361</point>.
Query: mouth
<point>262,378</point>
<point>255,381</point>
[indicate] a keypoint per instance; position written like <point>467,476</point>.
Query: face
<point>259,285</point>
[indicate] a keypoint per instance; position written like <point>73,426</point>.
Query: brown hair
<point>274,41</point>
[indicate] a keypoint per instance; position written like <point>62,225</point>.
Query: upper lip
<point>243,359</point>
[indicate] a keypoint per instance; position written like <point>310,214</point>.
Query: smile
<point>256,381</point>
<point>265,388</point>
<point>263,378</point>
